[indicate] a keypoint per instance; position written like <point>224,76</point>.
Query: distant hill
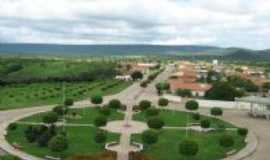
<point>89,50</point>
<point>130,50</point>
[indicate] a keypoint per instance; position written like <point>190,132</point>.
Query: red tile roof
<point>178,84</point>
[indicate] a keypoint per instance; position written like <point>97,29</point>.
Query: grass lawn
<point>27,95</point>
<point>209,149</point>
<point>87,116</point>
<point>81,142</point>
<point>8,157</point>
<point>179,119</point>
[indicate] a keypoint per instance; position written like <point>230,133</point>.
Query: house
<point>197,89</point>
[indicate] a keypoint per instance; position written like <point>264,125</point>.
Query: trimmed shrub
<point>152,112</point>
<point>155,123</point>
<point>43,139</point>
<point>163,102</point>
<point>100,121</point>
<point>226,141</point>
<point>216,111</point>
<point>60,110</point>
<point>188,148</point>
<point>149,137</point>
<point>144,104</point>
<point>183,92</point>
<point>205,123</point>
<point>115,104</point>
<point>242,131</point>
<point>192,105</point>
<point>96,99</point>
<point>68,102</point>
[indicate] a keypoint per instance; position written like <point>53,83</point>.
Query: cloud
<point>210,22</point>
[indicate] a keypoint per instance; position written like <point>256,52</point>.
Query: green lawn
<point>87,116</point>
<point>179,119</point>
<point>8,157</point>
<point>81,142</point>
<point>27,95</point>
<point>209,149</point>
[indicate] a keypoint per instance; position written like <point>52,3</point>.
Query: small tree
<point>192,105</point>
<point>100,121</point>
<point>115,104</point>
<point>188,148</point>
<point>196,116</point>
<point>12,126</point>
<point>50,118</point>
<point>163,102</point>
<point>149,137</point>
<point>183,92</point>
<point>58,143</point>
<point>68,102</point>
<point>226,141</point>
<point>242,131</point>
<point>155,123</point>
<point>101,137</point>
<point>152,112</point>
<point>144,104</point>
<point>205,123</point>
<point>216,111</point>
<point>96,99</point>
<point>136,75</point>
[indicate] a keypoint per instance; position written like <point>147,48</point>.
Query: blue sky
<point>170,22</point>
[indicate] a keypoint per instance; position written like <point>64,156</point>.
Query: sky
<point>225,23</point>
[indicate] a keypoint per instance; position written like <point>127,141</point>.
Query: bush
<point>144,104</point>
<point>155,123</point>
<point>115,104</point>
<point>196,116</point>
<point>152,112</point>
<point>100,121</point>
<point>149,137</point>
<point>58,143</point>
<point>163,102</point>
<point>31,134</point>
<point>105,111</point>
<point>188,148</point>
<point>216,111</point>
<point>137,75</point>
<point>226,141</point>
<point>101,136</point>
<point>50,118</point>
<point>96,99</point>
<point>205,123</point>
<point>68,102</point>
<point>60,110</point>
<point>192,105</point>
<point>12,126</point>
<point>242,131</point>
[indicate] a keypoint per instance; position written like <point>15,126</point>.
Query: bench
<point>52,158</point>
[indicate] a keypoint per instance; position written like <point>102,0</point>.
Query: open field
<point>26,95</point>
<point>209,149</point>
<point>80,139</point>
